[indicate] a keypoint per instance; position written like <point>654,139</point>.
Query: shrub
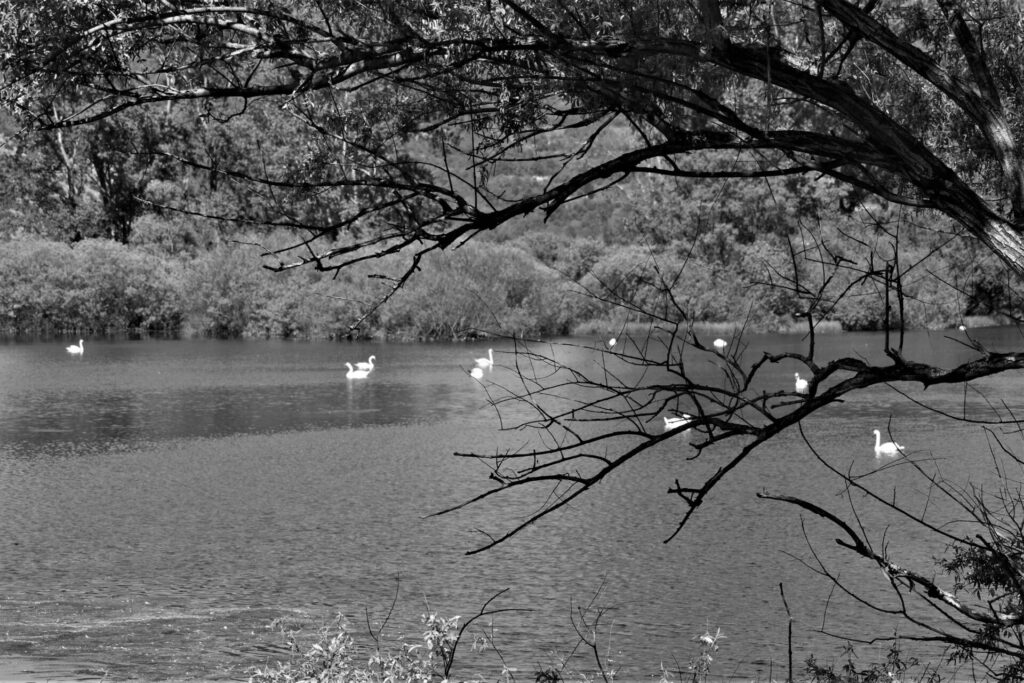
<point>894,669</point>
<point>95,285</point>
<point>497,288</point>
<point>116,287</point>
<point>335,657</point>
<point>34,276</point>
<point>223,283</point>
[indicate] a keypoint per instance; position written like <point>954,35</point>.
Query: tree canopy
<point>406,109</point>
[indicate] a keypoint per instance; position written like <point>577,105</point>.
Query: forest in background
<point>135,224</point>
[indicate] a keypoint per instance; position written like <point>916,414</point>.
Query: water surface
<point>166,505</point>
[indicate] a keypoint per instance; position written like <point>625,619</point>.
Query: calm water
<point>163,503</point>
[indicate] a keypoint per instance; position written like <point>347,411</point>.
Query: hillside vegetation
<point>119,239</point>
<point>537,284</point>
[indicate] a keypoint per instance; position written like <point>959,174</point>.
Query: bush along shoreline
<point>529,287</point>
<point>337,653</point>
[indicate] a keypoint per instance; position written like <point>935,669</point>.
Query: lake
<point>167,505</point>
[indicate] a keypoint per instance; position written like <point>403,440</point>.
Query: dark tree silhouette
<point>915,103</point>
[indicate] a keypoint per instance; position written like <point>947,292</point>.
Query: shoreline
<point>19,669</point>
<point>600,328</point>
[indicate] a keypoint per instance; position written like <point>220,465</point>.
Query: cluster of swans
<point>682,421</point>
<point>719,344</point>
<point>889,449</point>
<point>362,369</point>
<point>482,364</point>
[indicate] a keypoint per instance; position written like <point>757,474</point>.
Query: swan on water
<point>676,422</point>
<point>888,449</point>
<point>367,365</point>
<point>720,344</point>
<point>801,384</point>
<point>486,362</point>
<point>476,373</point>
<point>611,343</point>
<point>356,374</point>
<point>77,350</point>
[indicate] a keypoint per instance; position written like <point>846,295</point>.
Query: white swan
<point>801,384</point>
<point>889,449</point>
<point>368,365</point>
<point>476,373</point>
<point>76,350</point>
<point>612,342</point>
<point>486,362</point>
<point>356,374</point>
<point>676,422</point>
<point>720,344</point>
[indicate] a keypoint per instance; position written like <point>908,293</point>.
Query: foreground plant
<point>336,657</point>
<point>897,668</point>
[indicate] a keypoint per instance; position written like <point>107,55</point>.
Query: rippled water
<point>166,505</point>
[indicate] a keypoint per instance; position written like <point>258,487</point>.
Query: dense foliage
<point>97,284</point>
<point>624,147</point>
<point>175,276</point>
<point>392,125</point>
<point>191,240</point>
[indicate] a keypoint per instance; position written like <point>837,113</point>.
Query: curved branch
<point>895,572</point>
